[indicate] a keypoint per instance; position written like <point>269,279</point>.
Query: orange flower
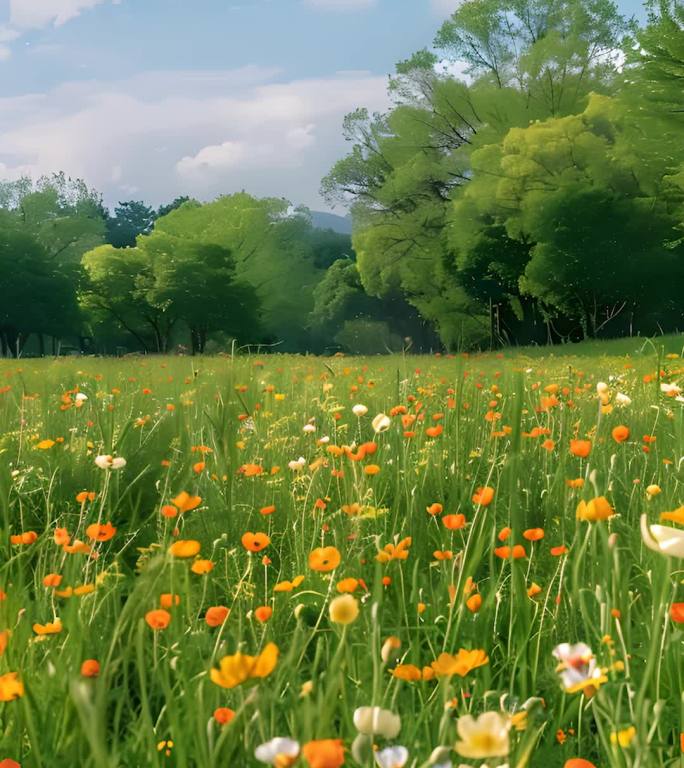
<point>347,585</point>
<point>324,559</point>
<point>504,533</point>
<point>224,715</point>
<point>505,553</point>
<point>158,619</point>
<point>28,537</point>
<point>474,603</point>
<point>201,567</point>
<point>269,510</point>
<point>392,552</point>
<point>90,668</point>
<point>454,522</point>
<point>620,434</point>
<point>216,615</point>
<point>239,667</point>
<point>580,448</point>
<point>184,502</point>
<point>52,580</point>
<point>198,467</point>
<point>11,687</point>
<point>596,509</point>
<point>263,613</point>
<point>185,548</point>
<point>533,534</point>
<point>167,600</point>
<point>255,542</point>
<point>435,509</point>
<point>84,496</point>
<point>677,613</point>
<point>558,551</point>
<point>442,555</point>
<point>435,431</point>
<point>51,628</point>
<point>459,664</point>
<point>578,762</point>
<point>483,496</point>
<point>324,753</point>
<point>61,537</point>
<point>371,469</point>
<point>288,586</point>
<point>576,483</point>
<point>100,532</point>
<point>251,470</point>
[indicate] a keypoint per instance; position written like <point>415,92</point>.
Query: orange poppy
<point>474,603</point>
<point>620,433</point>
<point>394,552</point>
<point>90,668</point>
<point>52,580</point>
<point>324,559</point>
<point>51,628</point>
<point>168,600</point>
<point>324,753</point>
<point>216,615</point>
<point>184,502</point>
<point>158,619</point>
<point>558,551</point>
<point>347,585</point>
<point>255,542</point>
<point>677,613</point>
<point>100,532</point>
<point>223,715</point>
<point>185,548</point>
<point>61,537</point>
<point>269,510</point>
<point>435,431</point>
<point>201,567</point>
<point>483,496</point>
<point>263,613</point>
<point>454,522</point>
<point>517,552</point>
<point>580,448</point>
<point>533,534</point>
<point>84,496</point>
<point>435,509</point>
<point>28,537</point>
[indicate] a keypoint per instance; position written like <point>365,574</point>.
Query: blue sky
<point>154,98</point>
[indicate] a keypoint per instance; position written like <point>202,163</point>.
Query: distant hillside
<point>341,224</point>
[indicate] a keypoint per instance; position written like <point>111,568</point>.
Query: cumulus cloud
<point>29,14</point>
<point>163,134</point>
<point>340,5</point>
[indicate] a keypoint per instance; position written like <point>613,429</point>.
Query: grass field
<point>268,560</point>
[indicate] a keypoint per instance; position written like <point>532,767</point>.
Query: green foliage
<point>131,219</point>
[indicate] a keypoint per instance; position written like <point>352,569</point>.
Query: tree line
<point>527,186</point>
<point>537,196</point>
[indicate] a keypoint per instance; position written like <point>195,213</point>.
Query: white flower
<point>359,410</point>
<point>297,465</point>
<point>280,752</point>
<point>309,429</point>
<point>486,736</point>
<point>392,757</point>
<point>80,397</point>
<point>324,440</point>
<point>109,462</point>
<point>377,721</point>
<point>622,399</point>
<point>670,389</point>
<point>381,423</point>
<point>662,538</point>
<point>601,388</point>
<point>577,667</point>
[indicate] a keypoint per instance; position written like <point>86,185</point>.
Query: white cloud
<point>340,5</point>
<point>163,134</point>
<point>29,14</point>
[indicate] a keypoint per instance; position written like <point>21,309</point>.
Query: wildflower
<point>620,434</point>
<point>624,737</point>
<point>435,431</point>
<point>598,508</point>
<point>410,673</point>
<point>324,559</point>
<point>347,586</point>
<point>255,542</point>
<point>11,687</point>
<point>344,610</point>
<point>505,553</point>
<point>52,580</point>
<point>663,539</point>
<point>28,537</point>
<point>434,509</point>
<point>100,532</point>
<point>578,762</point>
<point>84,496</point>
<point>474,603</point>
<point>263,613</point>
<point>269,510</point>
<point>677,516</point>
<point>158,619</point>
<point>394,552</point>
<point>236,669</point>
<point>371,469</point>
<point>484,737</point>
<point>390,645</point>
<point>653,490</point>
<point>391,757</point>
<point>185,502</point>
<point>622,400</point>
<point>184,548</point>
<point>110,462</point>
<point>224,715</point>
<point>459,664</point>
<point>580,448</point>
<point>280,752</point>
<point>359,410</point>
<point>288,586</point>
<point>381,423</point>
<point>577,667</point>
<point>168,600</point>
<point>202,567</point>
<point>44,445</point>
<point>324,753</point>
<point>677,613</point>
<point>90,668</point>
<point>453,522</point>
<point>297,465</point>
<point>533,534</point>
<point>216,615</point>
<point>375,721</point>
<point>483,496</point>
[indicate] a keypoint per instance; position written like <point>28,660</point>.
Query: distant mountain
<point>323,220</point>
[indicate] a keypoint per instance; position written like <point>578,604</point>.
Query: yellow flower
<point>10,687</point>
<point>459,664</point>
<point>624,737</point>
<point>677,516</point>
<point>44,445</point>
<point>240,667</point>
<point>344,609</point>
<point>485,737</point>
<point>596,509</point>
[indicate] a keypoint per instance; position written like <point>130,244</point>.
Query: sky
<point>151,99</point>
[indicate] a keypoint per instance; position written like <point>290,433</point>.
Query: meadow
<point>303,561</point>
